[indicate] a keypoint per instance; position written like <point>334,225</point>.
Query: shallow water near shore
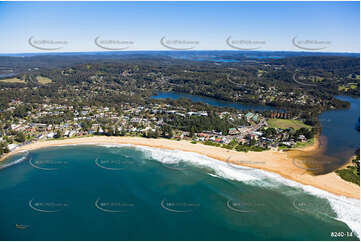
<point>339,139</point>
<point>119,192</point>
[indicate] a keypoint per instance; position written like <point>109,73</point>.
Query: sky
<point>98,26</point>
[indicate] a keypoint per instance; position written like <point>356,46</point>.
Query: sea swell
<point>4,165</point>
<point>347,210</point>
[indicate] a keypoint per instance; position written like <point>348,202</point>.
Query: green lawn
<point>304,144</point>
<point>349,174</point>
<point>286,123</point>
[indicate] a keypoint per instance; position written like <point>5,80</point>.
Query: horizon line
<point>127,51</point>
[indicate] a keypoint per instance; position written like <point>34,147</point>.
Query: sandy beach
<point>273,161</point>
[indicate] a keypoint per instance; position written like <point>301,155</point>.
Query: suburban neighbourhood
<point>248,130</point>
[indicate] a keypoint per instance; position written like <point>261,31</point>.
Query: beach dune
<point>272,161</point>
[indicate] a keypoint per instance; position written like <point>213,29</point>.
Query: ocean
<point>121,192</point>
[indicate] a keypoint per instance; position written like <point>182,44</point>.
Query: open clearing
<point>43,80</point>
<point>12,80</point>
<point>287,123</point>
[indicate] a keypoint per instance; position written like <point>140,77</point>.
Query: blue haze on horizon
<point>209,23</point>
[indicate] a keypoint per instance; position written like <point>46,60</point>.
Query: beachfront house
<point>302,138</point>
<point>233,131</point>
<point>12,146</point>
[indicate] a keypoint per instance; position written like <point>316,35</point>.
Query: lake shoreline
<point>277,162</point>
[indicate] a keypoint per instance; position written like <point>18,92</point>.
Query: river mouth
<point>317,161</point>
<point>338,140</point>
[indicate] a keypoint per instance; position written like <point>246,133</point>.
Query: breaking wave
<point>347,209</point>
<point>17,161</point>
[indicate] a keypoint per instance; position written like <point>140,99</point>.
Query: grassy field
<point>287,123</point>
<point>12,80</point>
<point>43,80</point>
<point>349,174</point>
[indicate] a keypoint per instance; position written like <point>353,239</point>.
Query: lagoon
<point>339,129</point>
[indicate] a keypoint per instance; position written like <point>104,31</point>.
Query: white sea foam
<point>220,168</point>
<point>214,175</point>
<point>96,144</point>
<point>71,145</point>
<point>347,209</point>
<point>114,145</point>
<point>21,159</point>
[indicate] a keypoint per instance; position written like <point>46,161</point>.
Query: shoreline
<point>272,161</point>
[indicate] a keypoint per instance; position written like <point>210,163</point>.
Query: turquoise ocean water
<point>137,193</point>
<point>112,192</point>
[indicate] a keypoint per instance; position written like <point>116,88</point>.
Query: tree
<point>157,133</point>
<point>85,125</point>
<point>122,133</point>
<point>20,137</point>
<point>269,133</point>
<point>58,134</point>
<point>192,132</point>
<point>116,131</point>
<point>167,131</point>
<point>252,142</point>
<point>4,148</point>
<point>109,132</point>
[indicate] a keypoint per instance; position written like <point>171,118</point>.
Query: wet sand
<point>280,162</point>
